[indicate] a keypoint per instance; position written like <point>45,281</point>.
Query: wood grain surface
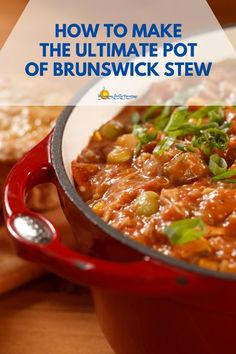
<point>14,271</point>
<point>50,316</point>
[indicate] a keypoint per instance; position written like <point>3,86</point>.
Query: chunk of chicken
<point>83,172</point>
<point>185,168</point>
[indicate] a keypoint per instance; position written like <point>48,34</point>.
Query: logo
<point>105,95</point>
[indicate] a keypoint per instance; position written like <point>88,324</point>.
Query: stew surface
<point>166,177</point>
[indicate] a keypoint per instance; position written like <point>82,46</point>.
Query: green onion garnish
<point>213,113</point>
<point>225,175</point>
<point>161,121</point>
<point>163,145</point>
<point>150,112</point>
<point>229,181</point>
<point>209,139</point>
<point>184,148</point>
<point>217,165</point>
<point>178,119</point>
<point>185,230</point>
<point>135,118</point>
<point>143,134</point>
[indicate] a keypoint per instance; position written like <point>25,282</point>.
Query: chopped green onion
<point>163,145</point>
<point>217,164</point>
<point>185,230</point>
<point>179,123</point>
<point>178,118</point>
<point>207,126</point>
<point>229,181</point>
<point>166,111</point>
<point>143,135</point>
<point>209,139</point>
<point>199,114</point>
<point>186,129</point>
<point>161,121</point>
<point>184,148</point>
<point>214,113</point>
<point>225,126</point>
<point>225,175</point>
<point>150,112</point>
<point>135,118</point>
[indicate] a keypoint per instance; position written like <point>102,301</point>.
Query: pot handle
<point>36,238</point>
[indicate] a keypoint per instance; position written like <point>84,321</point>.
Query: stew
<point>166,177</point>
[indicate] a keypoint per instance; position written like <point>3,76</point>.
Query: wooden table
<point>50,316</point>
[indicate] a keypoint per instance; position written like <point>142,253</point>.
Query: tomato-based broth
<point>166,177</point>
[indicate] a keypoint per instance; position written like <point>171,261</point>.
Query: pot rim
<point>55,150</point>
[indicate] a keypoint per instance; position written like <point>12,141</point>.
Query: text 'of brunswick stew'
<point>166,177</point>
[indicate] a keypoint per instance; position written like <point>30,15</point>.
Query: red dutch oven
<point>146,302</point>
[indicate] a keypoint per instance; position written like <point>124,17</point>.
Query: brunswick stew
<point>166,177</point>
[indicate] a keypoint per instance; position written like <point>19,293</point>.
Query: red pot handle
<point>37,239</point>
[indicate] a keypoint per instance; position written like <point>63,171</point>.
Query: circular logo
<point>104,94</point>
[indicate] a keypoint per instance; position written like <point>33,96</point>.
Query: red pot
<point>146,302</point>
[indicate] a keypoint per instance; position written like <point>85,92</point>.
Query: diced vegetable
<point>150,112</point>
<point>225,175</point>
<point>119,155</point>
<point>163,145</point>
<point>147,203</point>
<point>143,134</point>
<point>209,139</point>
<point>229,180</point>
<point>178,120</point>
<point>217,164</point>
<point>127,140</point>
<point>184,148</point>
<point>160,122</point>
<point>112,130</point>
<point>135,118</point>
<point>214,113</point>
<point>99,207</point>
<point>185,230</point>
